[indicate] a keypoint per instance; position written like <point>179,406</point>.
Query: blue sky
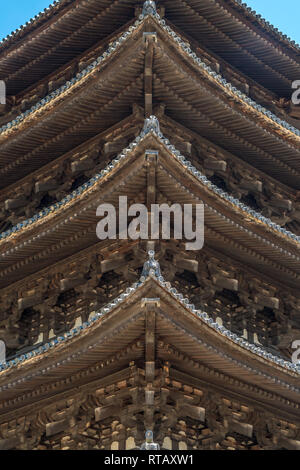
<point>284,14</point>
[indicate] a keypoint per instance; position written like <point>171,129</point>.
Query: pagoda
<point>165,102</point>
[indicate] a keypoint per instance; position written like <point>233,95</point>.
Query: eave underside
<point>72,228</point>
<point>187,99</point>
<point>248,46</point>
<point>154,376</point>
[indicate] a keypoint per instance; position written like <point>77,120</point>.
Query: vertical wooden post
<point>149,38</point>
<point>150,306</point>
<point>151,159</point>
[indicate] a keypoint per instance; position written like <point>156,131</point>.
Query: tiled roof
<point>151,126</point>
<point>34,22</point>
<point>48,12</point>
<point>152,270</point>
<point>266,25</point>
<point>185,47</point>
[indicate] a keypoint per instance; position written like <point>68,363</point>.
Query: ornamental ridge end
<point>149,8</point>
<point>151,124</point>
<point>151,267</point>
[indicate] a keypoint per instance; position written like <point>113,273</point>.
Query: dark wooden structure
<point>174,102</point>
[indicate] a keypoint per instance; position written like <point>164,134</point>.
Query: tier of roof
<point>270,124</point>
<point>151,126</point>
<point>34,22</point>
<point>69,227</point>
<point>184,46</point>
<point>58,5</point>
<point>267,25</point>
<point>240,41</point>
<point>246,362</point>
<point>28,184</point>
<point>39,254</point>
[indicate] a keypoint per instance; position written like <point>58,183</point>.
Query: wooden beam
<point>191,265</point>
<point>151,159</point>
<point>29,301</point>
<point>15,203</point>
<point>216,165</point>
<point>7,444</point>
<point>149,38</point>
<point>243,429</point>
<point>267,301</point>
<point>184,147</point>
<point>226,283</point>
<point>56,427</point>
<point>104,412</point>
<point>284,204</point>
<point>82,165</point>
<point>114,146</point>
<point>252,185</point>
<point>113,263</point>
<point>69,283</point>
<point>44,186</point>
<point>150,306</point>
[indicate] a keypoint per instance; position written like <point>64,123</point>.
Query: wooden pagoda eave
<point>237,41</point>
<point>282,45</point>
<point>134,122</point>
<point>63,15</point>
<point>107,115</point>
<point>148,355</point>
<point>97,48</point>
<point>243,82</point>
<point>173,173</point>
<point>242,128</point>
<point>17,37</point>
<point>130,124</point>
<point>106,249</point>
<point>116,253</point>
<point>193,346</point>
<point>215,116</point>
<point>190,116</point>
<point>65,70</point>
<point>170,126</point>
<point>33,60</point>
<point>70,123</point>
<point>73,227</point>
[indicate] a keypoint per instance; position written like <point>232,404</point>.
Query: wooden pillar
<point>150,306</point>
<point>149,38</point>
<point>151,159</point>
